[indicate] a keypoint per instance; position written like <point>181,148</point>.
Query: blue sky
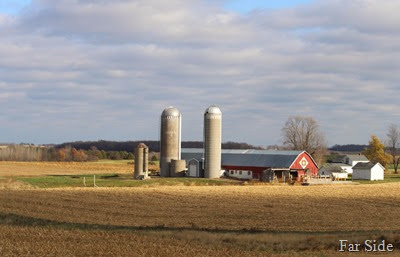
<point>243,6</point>
<point>12,6</point>
<point>90,70</point>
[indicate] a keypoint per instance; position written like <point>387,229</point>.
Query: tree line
<point>154,146</point>
<point>348,148</point>
<point>93,150</point>
<point>64,154</point>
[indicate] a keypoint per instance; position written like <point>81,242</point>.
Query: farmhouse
<point>348,161</point>
<point>368,171</point>
<point>248,164</point>
<point>353,159</point>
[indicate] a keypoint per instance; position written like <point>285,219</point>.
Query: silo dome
<point>171,111</point>
<point>213,110</point>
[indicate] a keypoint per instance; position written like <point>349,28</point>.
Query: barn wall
<point>311,166</point>
<point>256,171</point>
<point>241,174</point>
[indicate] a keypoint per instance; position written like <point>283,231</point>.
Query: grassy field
<point>116,180</point>
<point>43,214</point>
<point>389,178</point>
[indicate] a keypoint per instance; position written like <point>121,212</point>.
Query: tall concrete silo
<point>212,142</point>
<point>146,161</point>
<point>141,162</point>
<point>170,139</point>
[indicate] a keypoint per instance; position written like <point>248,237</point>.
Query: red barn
<point>251,163</point>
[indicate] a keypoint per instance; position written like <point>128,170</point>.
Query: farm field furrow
<point>54,241</point>
<point>233,208</point>
<point>64,242</point>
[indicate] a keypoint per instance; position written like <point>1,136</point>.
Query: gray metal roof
<point>333,167</point>
<point>357,157</point>
<point>188,156</point>
<point>244,151</point>
<point>364,165</point>
<point>252,158</point>
<point>334,164</point>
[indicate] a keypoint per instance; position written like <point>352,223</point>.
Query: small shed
<point>194,168</point>
<point>368,171</point>
<point>334,170</point>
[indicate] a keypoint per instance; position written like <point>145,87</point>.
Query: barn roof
<point>243,151</point>
<point>253,158</point>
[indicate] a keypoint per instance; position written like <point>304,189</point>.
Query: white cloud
<point>117,64</point>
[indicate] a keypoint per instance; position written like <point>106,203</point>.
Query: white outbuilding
<point>334,170</point>
<point>368,171</point>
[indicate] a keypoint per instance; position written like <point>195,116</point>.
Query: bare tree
<point>393,142</point>
<point>302,133</point>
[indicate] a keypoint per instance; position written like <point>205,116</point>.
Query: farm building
<point>334,170</point>
<point>247,164</point>
<point>348,161</point>
<point>368,171</point>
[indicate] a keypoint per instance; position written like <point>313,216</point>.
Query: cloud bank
<point>88,70</point>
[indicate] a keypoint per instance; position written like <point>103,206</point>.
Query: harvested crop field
<point>58,215</point>
<point>49,241</point>
<point>53,168</point>
<point>232,208</point>
<point>67,242</point>
<point>195,220</point>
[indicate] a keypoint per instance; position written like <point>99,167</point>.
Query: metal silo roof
<point>213,109</point>
<point>170,111</point>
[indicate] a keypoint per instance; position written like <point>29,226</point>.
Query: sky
<point>105,69</point>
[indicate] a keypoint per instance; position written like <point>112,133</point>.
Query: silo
<point>178,168</point>
<point>212,142</point>
<point>170,139</point>
<point>141,161</point>
<point>146,161</point>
